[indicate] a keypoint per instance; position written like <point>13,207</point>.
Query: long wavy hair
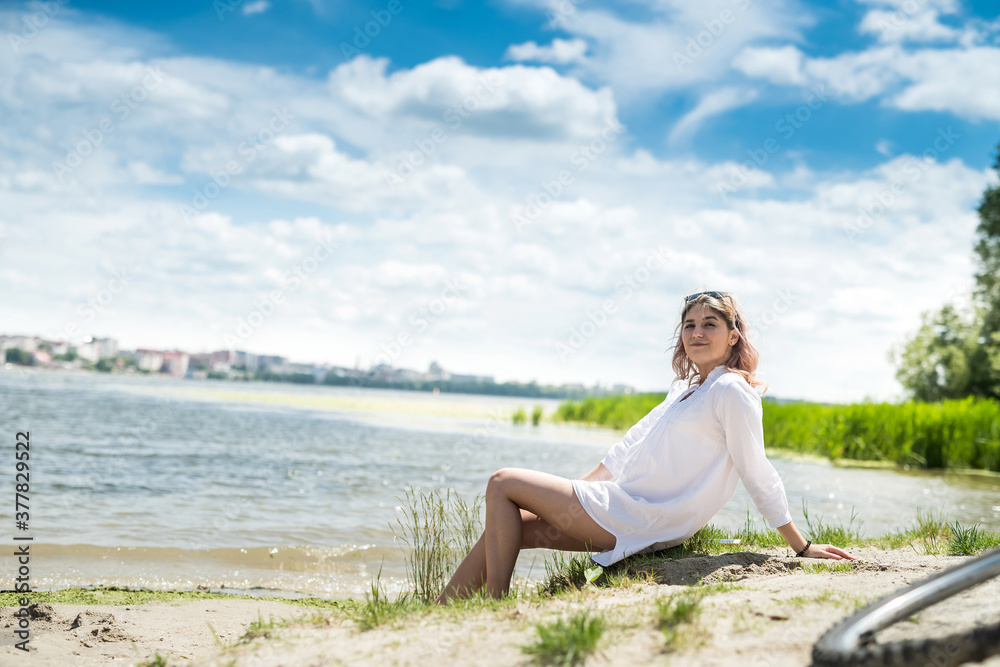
<point>744,356</point>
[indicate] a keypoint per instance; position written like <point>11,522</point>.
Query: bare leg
<point>550,498</point>
<point>470,575</point>
<point>536,533</point>
<point>513,495</point>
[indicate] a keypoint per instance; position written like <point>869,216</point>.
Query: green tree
<point>935,363</point>
<point>986,361</point>
<point>956,351</point>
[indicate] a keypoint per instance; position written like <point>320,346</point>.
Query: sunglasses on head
<point>717,295</point>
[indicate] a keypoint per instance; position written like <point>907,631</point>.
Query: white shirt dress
<point>680,464</point>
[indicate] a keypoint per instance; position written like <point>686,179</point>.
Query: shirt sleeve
<point>616,456</point>
<point>742,417</point>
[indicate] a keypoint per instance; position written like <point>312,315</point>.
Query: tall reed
<point>961,433</point>
<point>440,531</point>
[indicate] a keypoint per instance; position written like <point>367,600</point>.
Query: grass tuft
<point>156,661</point>
<point>675,613</point>
<point>565,571</point>
<point>823,566</point>
<point>259,628</point>
<point>377,610</point>
<point>568,642</point>
<point>970,541</point>
<point>839,599</point>
<point>836,534</point>
<point>439,530</point>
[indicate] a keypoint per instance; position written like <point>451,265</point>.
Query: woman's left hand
<point>827,551</point>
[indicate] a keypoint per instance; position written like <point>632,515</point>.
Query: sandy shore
<point>771,614</point>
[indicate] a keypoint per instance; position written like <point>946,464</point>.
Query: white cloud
<point>910,20</point>
<point>910,7</point>
<point>896,26</point>
<point>509,101</point>
<point>678,45</point>
<point>956,80</point>
<point>714,103</point>
<point>257,7</point>
<point>309,167</point>
<point>323,177</point>
<point>393,273</point>
<point>782,65</point>
<point>858,76</point>
<point>560,52</point>
<point>143,174</point>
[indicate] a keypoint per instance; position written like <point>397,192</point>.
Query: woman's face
<point>706,337</point>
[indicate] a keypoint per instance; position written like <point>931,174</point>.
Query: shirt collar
<point>712,374</point>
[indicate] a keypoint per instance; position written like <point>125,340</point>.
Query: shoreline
<point>758,606</point>
<point>803,457</point>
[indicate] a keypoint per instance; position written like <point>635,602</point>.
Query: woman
<point>660,484</point>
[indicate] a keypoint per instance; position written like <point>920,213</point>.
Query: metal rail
<point>846,642</point>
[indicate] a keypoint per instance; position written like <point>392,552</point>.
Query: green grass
<point>969,541</point>
<point>675,613</point>
<point>933,534</point>
<point>611,411</point>
<point>156,661</point>
<point>378,610</point>
<point>624,578</point>
<point>439,530</point>
<point>824,566</point>
<point>124,596</point>
<point>260,628</point>
<point>536,415</point>
<point>961,434</point>
<point>759,537</point>
<point>826,597</point>
<point>717,587</point>
<point>565,571</point>
<point>930,531</point>
<point>566,642</point>
<point>836,534</point>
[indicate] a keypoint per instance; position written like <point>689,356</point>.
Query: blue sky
<point>375,197</point>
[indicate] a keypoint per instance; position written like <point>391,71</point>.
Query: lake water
<point>283,489</point>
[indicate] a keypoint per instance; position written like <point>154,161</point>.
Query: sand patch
<point>742,566</point>
<point>105,635</point>
<point>776,610</point>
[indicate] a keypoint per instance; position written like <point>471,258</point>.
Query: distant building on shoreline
<point>104,354</point>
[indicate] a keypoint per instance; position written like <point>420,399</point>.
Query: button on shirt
<point>681,463</point>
